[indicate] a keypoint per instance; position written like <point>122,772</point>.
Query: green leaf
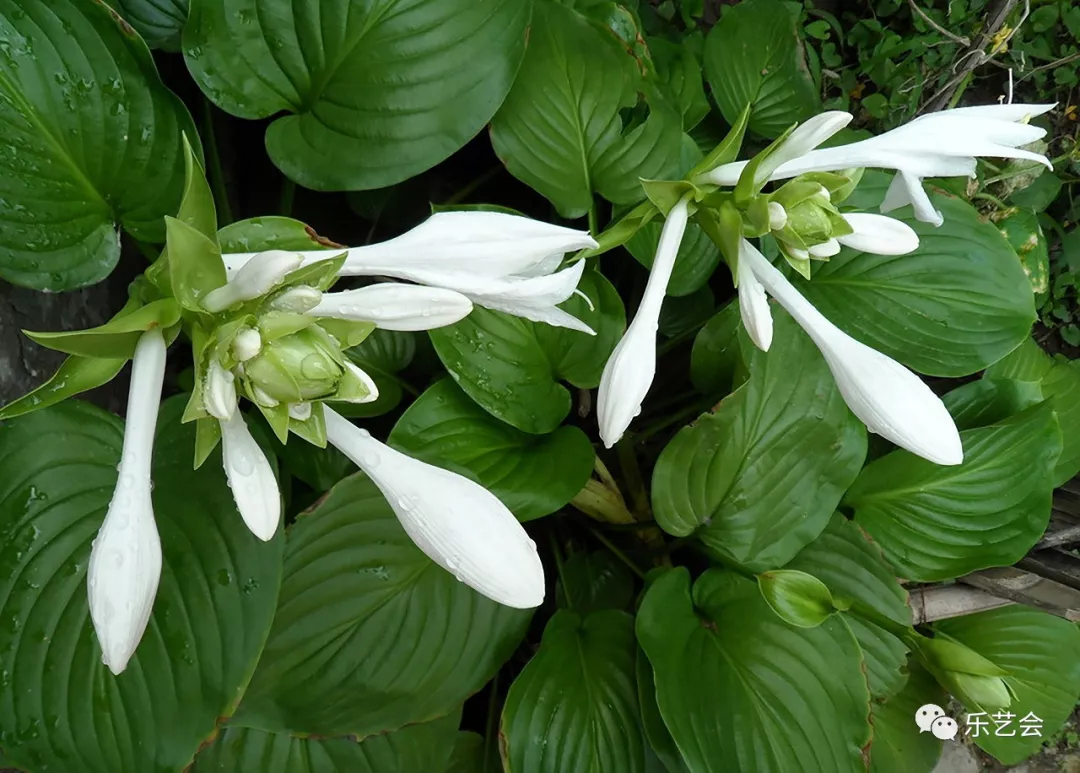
<point>590,582</point>
<point>92,143</point>
<point>990,400</point>
<point>935,523</point>
<point>754,57</point>
<point>415,748</point>
<point>852,567</point>
<point>375,92</point>
<point>1026,237</point>
<point>896,746</point>
<point>214,603</point>
<point>532,475</point>
<point>74,376</point>
<point>758,479</point>
<point>158,21</point>
<point>567,127</point>
<point>469,755</point>
<point>197,205</point>
<point>195,265</point>
<point>117,338</point>
<point>1059,380</point>
<point>259,234</point>
<point>716,354</point>
<point>954,306</point>
<point>694,264</point>
<point>798,598</point>
<point>370,635</point>
<point>663,745</point>
<point>512,367</point>
<point>741,690</point>
<point>574,709</point>
<point>1036,650</point>
<point>1040,194</point>
<point>680,72</point>
<point>726,150</point>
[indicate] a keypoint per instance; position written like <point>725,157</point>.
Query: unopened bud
<point>255,278</point>
<point>247,344</point>
<point>298,367</point>
<point>826,249</point>
<point>300,411</point>
<point>777,216</point>
<point>219,392</point>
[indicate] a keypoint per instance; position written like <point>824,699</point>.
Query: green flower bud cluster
<point>977,682</point>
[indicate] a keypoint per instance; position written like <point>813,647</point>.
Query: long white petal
<point>256,277</point>
<point>393,306</point>
<point>219,392</point>
<point>890,399</point>
<point>250,477</point>
<point>879,234</point>
<point>630,370</point>
<point>826,249</point>
<point>457,523</point>
<point>807,136</point>
<point>754,305</point>
<point>533,298</point>
<point>905,189</point>
<point>1012,112</point>
<point>125,561</point>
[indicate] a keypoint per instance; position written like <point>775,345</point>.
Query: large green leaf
<point>590,582</point>
<point>1039,652</point>
<point>574,709</point>
<point>717,356</point>
<point>954,306</point>
<point>375,92</point>
<point>744,692</point>
<point>259,234</point>
<point>532,475</point>
<point>1059,380</point>
<point>60,707</point>
<point>423,748</point>
<point>754,56</point>
<point>853,568</point>
<point>659,737</point>
<point>370,635</point>
<point>695,263</point>
<point>935,523</point>
<point>512,367</point>
<point>158,21</point>
<point>92,142</point>
<point>565,127</point>
<point>758,479</point>
<point>897,746</point>
<point>990,400</point>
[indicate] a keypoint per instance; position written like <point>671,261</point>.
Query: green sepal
<point>200,342</point>
<point>348,333</point>
<point>207,436</point>
<point>314,429</point>
<point>723,225</point>
<point>278,324</point>
<point>840,226</point>
<point>759,169</point>
<point>197,204</point>
<point>195,265</point>
<point>839,184</point>
<point>322,274</point>
<point>118,337</point>
<point>351,389</point>
<point>278,419</point>
<point>797,598</point>
<point>942,653</point>
<point>757,217</point>
<point>665,194</point>
<point>801,265</point>
<point>728,149</point>
<point>795,192</point>
<point>622,231</point>
<point>74,376</point>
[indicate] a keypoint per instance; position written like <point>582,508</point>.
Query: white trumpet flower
<point>754,306</point>
<point>632,366</point>
<point>256,278</point>
<point>497,260</point>
<point>125,561</point>
<point>393,306</point>
<point>941,144</point>
<point>458,524</point>
<point>250,477</point>
<point>891,400</point>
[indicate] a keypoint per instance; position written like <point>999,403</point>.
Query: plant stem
<point>992,199</point>
<point>470,187</point>
<point>618,553</point>
<point>677,418</point>
<point>556,551</point>
<point>216,171</point>
<point>594,219</point>
<point>632,476</point>
<point>288,193</point>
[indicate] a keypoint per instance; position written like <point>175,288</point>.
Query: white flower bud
<point>247,344</point>
<point>219,392</point>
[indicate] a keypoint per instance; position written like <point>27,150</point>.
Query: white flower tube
<point>891,400</point>
<point>250,477</point>
<point>258,276</point>
<point>879,235</point>
<point>754,305</point>
<point>393,306</point>
<point>632,366</point>
<point>125,561</point>
<point>457,523</point>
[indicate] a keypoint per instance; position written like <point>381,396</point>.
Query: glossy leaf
<point>374,93</point>
<point>160,22</point>
<point>75,376</point>
<point>896,747</point>
<point>370,635</point>
<point>92,143</point>
<point>574,709</point>
<point>797,598</point>
<point>532,475</point>
<point>680,72</point>
<point>659,737</point>
<point>116,339</point>
<point>954,306</point>
<point>590,582</point>
<point>1026,237</point>
<point>935,523</point>
<point>512,368</point>
<point>716,355</point>
<point>759,478</point>
<point>990,400</point>
<point>744,692</point>
<point>561,129</point>
<point>259,234</point>
<point>754,56</point>
<point>214,604</point>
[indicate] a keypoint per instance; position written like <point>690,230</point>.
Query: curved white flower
<point>457,523</point>
<point>632,366</point>
<point>500,261</point>
<point>941,144</point>
<point>251,478</point>
<point>125,561</point>
<point>825,249</point>
<point>247,344</point>
<point>754,305</point>
<point>891,400</point>
<point>219,392</point>
<point>879,234</point>
<point>258,276</point>
<point>393,306</point>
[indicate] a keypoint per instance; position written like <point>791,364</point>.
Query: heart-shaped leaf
<point>758,479</point>
<point>663,745</point>
<point>990,400</point>
<point>590,582</point>
<point>370,635</point>
<point>741,690</point>
<point>754,56</point>
<point>935,523</point>
<point>572,124</point>
<point>92,143</point>
<point>158,21</point>
<point>512,367</point>
<point>958,303</point>
<point>375,92</point>
<point>214,603</point>
<point>425,747</point>
<point>574,709</point>
<point>896,747</point>
<point>532,475</point>
<point>716,356</point>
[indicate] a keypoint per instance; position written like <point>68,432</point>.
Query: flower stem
<point>618,553</point>
<point>556,551</point>
<point>216,170</point>
<point>470,187</point>
<point>594,219</point>
<point>632,476</point>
